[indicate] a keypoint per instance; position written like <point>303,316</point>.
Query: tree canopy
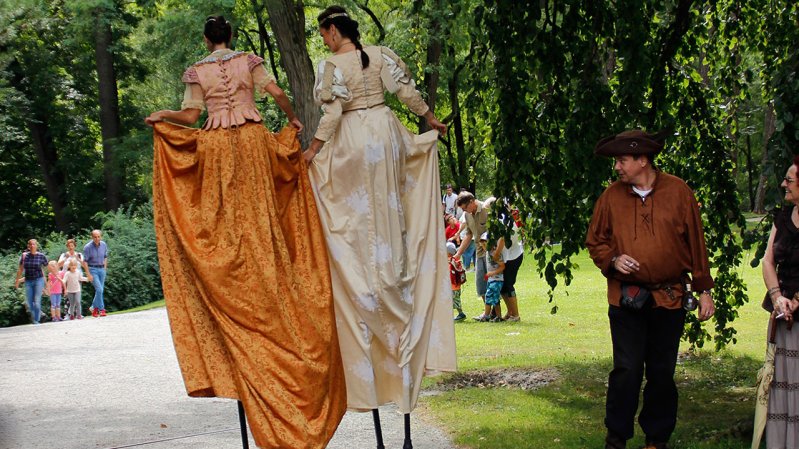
<point>526,87</point>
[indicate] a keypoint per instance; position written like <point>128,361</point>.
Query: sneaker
<point>482,318</point>
<point>95,312</point>
<point>80,317</point>
<point>102,312</point>
<point>461,316</point>
<point>513,319</point>
<point>496,319</point>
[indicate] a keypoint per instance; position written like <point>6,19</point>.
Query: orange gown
<point>244,263</point>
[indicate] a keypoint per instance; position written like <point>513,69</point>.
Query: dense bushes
<point>133,276</point>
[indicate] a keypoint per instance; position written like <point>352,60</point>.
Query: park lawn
<point>148,306</point>
<point>716,388</point>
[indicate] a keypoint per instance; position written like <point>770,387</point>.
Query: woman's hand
<point>437,125</point>
<point>308,155</point>
<point>296,123</point>
<point>153,118</point>
<point>434,123</point>
<point>782,305</point>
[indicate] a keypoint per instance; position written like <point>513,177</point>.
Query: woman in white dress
<point>377,187</point>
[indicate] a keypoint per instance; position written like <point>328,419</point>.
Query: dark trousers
<point>644,342</point>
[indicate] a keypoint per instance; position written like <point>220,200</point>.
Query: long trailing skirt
<point>377,188</point>
<point>246,280</point>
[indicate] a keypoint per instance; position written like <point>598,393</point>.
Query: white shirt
<point>449,203</point>
<point>516,249</point>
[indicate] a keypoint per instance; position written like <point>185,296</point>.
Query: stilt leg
<point>378,429</point>
<point>245,442</point>
<point>407,444</point>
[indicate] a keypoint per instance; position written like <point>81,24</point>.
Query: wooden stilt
<point>245,442</point>
<point>378,429</point>
<point>407,444</point>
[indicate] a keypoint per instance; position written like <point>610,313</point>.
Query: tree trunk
<point>430,81</point>
<point>287,20</point>
<point>54,178</point>
<point>43,145</point>
<point>750,185</point>
<point>460,170</point>
<point>768,130</point>
<point>109,110</point>
<point>265,39</point>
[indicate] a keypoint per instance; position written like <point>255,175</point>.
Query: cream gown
<point>377,189</point>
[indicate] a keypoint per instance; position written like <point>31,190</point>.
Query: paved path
<point>114,382</point>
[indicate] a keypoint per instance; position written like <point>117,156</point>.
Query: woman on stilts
<point>376,185</point>
<point>243,259</point>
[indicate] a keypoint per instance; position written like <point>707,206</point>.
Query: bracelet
<point>773,290</point>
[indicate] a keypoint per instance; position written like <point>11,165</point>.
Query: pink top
<point>228,88</point>
<point>55,286</point>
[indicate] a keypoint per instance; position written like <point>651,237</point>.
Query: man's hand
<point>706,307</point>
<point>625,264</point>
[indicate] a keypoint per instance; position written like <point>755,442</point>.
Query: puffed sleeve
<point>329,91</point>
<point>260,76</point>
<point>193,95</point>
<point>397,80</point>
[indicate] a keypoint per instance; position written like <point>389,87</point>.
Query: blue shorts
<point>492,292</point>
<point>479,275</point>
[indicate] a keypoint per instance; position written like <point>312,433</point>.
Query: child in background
<point>54,280</point>
<point>72,280</point>
<point>495,265</point>
<point>457,276</point>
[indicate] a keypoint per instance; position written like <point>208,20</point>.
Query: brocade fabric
<point>246,280</point>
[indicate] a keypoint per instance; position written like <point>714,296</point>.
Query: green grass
<point>148,306</point>
<point>716,389</point>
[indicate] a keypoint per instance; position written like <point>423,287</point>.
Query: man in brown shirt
<point>646,231</point>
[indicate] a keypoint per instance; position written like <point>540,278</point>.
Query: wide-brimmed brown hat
<point>633,142</point>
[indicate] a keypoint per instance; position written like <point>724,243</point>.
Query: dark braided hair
<point>345,25</point>
<point>218,30</point>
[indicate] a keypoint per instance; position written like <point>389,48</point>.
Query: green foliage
<point>568,74</point>
<point>534,85</point>
<point>133,277</point>
<point>48,81</point>
<point>12,301</point>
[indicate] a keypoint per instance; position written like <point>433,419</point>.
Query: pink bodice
<point>227,85</point>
